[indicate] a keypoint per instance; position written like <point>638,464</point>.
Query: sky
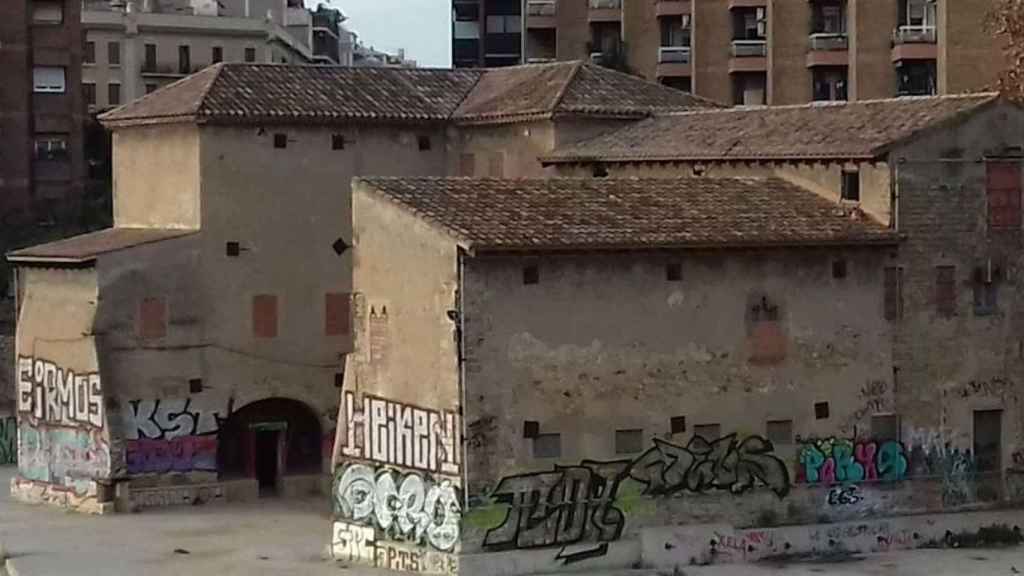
<point>422,27</point>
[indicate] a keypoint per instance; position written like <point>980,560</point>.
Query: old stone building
<point>642,379</point>
<point>194,351</point>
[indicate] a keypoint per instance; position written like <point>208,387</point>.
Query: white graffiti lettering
<point>404,507</point>
<point>352,543</point>
<point>401,435</point>
<point>56,395</point>
<point>166,419</point>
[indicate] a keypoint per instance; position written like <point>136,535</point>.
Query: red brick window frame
<point>1003,189</point>
<point>152,319</point>
<point>337,314</point>
<point>264,316</point>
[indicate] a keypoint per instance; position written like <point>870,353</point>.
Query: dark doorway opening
<point>988,440</point>
<point>269,439</point>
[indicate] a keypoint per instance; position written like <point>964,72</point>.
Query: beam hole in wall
<point>232,249</point>
<point>674,272</point>
<point>630,441</point>
<point>280,140</point>
<point>423,142</point>
<point>709,432</point>
<point>195,385</point>
<point>547,446</point>
<point>531,274</point>
<point>677,424</point>
<point>339,246</point>
<point>339,379</point>
<point>337,141</point>
<point>820,410</point>
<point>839,269</point>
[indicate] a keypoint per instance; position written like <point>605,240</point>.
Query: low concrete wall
<point>88,497</point>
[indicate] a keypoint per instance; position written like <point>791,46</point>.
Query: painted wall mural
<point>838,460</point>
<point>62,455</point>
<point>171,435</point>
<point>401,435</point>
<point>8,440</point>
<point>54,395</point>
<point>405,507</point>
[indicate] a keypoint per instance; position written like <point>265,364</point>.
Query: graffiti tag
<point>838,460</point>
<point>56,395</point>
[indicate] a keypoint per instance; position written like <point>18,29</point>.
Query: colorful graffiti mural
<point>70,457</point>
<point>838,460</point>
<point>171,435</point>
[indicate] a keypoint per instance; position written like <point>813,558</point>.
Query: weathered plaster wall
<point>502,151</point>
<point>400,426</point>
<point>156,176</point>
<point>63,434</point>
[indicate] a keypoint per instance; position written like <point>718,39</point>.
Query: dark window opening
<point>893,293</point>
<point>598,170</point>
<point>184,59</point>
<point>337,142</point>
<point>217,55</point>
<point>195,385</point>
<point>423,142</point>
<point>89,93</point>
<point>915,78</point>
<point>250,54</point>
<point>674,272</point>
<point>839,269</point>
<point>150,88</point>
<point>280,140</point>
<point>988,440</point>
<point>113,94</point>
<point>150,60</point>
<point>945,290</point>
<point>829,83</point>
<point>851,186</point>
<point>820,410</point>
<point>232,248</point>
<point>51,147</point>
<point>114,53</point>
<point>681,83</point>
<point>89,53</point>
<point>531,274</point>
<point>986,290</point>
<point>677,424</point>
<point>531,428</point>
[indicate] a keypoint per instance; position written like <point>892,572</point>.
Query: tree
<point>1007,20</point>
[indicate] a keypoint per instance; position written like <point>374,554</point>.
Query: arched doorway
<point>268,439</point>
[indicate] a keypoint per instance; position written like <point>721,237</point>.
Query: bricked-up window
<point>779,432</point>
<point>336,314</point>
<point>496,165</point>
<point>467,164</point>
<point>945,290</point>
<point>547,446</point>
<point>152,318</point>
<point>264,316</point>
<point>709,432</point>
<point>885,427</point>
<point>1003,186</point>
<point>629,441</point>
<point>893,293</point>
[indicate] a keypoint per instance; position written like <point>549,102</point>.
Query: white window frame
<point>49,80</point>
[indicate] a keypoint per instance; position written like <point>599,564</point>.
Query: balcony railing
<point>605,4</point>
<point>914,35</point>
<point>829,41</point>
<point>674,54</point>
<point>541,7</point>
<point>539,60</point>
<point>749,48</point>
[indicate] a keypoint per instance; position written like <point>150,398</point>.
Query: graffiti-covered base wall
<point>63,436</point>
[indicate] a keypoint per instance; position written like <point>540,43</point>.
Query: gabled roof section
<point>854,130</point>
<point>288,94</point>
<point>490,214</point>
<point>86,247</point>
<point>568,88</point>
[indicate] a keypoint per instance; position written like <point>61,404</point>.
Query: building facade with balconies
<point>754,52</point>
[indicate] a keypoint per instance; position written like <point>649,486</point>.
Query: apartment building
<point>488,33</point>
<point>754,51</point>
<point>133,49</point>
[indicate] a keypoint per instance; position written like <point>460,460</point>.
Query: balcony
<point>914,43</point>
<point>541,13</point>
<point>605,10</point>
<point>672,8</point>
<point>749,48</point>
<point>735,4</point>
<point>828,49</point>
<point>674,55</point>
<point>828,41</point>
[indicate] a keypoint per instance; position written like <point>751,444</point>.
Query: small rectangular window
<point>821,410</point>
<point>893,293</point>
<point>851,185</point>
<point>779,432</point>
<point>149,65</point>
<point>51,147</point>
<point>184,60</point>
<point>423,142</point>
<point>113,94</point>
<point>885,427</point>
<point>988,440</point>
<point>1003,189</point>
<point>217,55</point>
<point>47,12</point>
<point>677,424</point>
<point>280,140</point>
<point>89,53</point>
<point>150,88</point>
<point>945,290</point>
<point>547,446</point>
<point>629,441</point>
<point>337,141</point>
<point>250,54</point>
<point>709,432</point>
<point>152,318</point>
<point>264,316</point>
<point>89,93</point>
<point>336,314</point>
<point>114,53</point>
<point>531,274</point>
<point>674,272</point>
<point>839,269</point>
<point>48,80</point>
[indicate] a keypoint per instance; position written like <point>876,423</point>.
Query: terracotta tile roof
<point>265,93</point>
<point>628,213</point>
<point>568,88</point>
<point>87,247</point>
<point>822,130</point>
